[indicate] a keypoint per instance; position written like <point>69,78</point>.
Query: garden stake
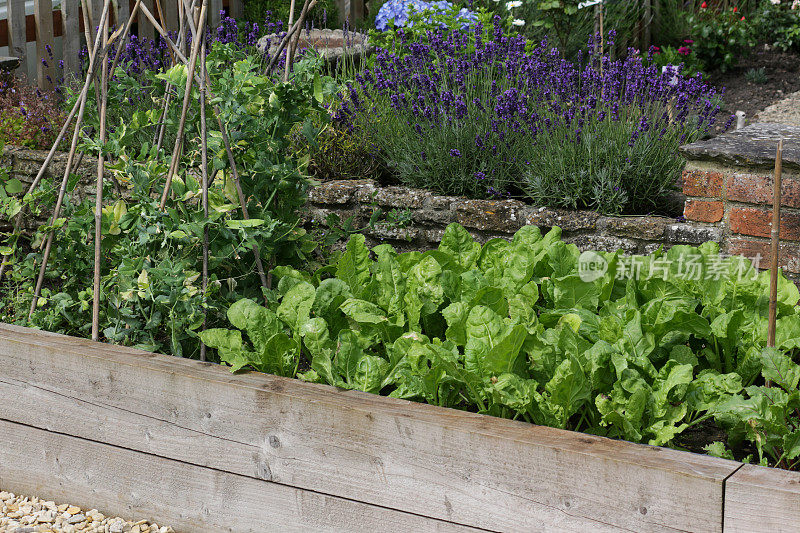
<point>57,209</point>
<point>285,40</point>
<point>296,37</point>
<point>774,234</point>
<point>204,173</point>
<point>288,50</point>
<point>186,98</point>
<point>98,203</point>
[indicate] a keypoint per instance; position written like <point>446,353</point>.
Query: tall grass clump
<point>487,117</point>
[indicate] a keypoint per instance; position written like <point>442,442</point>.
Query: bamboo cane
<point>70,157</point>
<point>98,204</point>
<point>296,38</point>
<point>775,248</point>
<point>285,40</point>
<point>204,174</point>
<point>186,98</point>
<point>288,50</point>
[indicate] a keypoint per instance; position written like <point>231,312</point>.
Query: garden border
<point>191,445</point>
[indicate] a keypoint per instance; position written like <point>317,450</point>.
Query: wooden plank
<point>45,69</point>
<point>190,498</point>
<point>145,29</point>
<point>762,499</point>
<point>214,8</point>
<point>236,9</point>
<point>442,463</point>
<point>17,45</point>
<point>122,12</point>
<point>71,43</point>
<point>170,10</point>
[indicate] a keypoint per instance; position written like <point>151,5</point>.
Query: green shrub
<point>721,36</point>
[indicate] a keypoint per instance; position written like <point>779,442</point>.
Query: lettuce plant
<point>516,329</point>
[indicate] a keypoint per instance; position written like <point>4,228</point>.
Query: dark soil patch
<point>783,77</point>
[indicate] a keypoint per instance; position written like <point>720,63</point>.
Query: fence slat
<point>43,16</point>
<point>122,11</point>
<point>170,8</point>
<point>17,40</point>
<point>71,37</point>
<point>236,9</point>
<point>214,7</point>
<point>145,30</point>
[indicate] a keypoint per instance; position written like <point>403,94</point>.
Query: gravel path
<point>23,514</point>
<point>786,111</point>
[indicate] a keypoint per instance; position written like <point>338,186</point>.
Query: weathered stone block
<point>338,192</point>
<point>647,227</point>
<point>492,215</point>
<point>691,234</point>
<point>546,217</point>
<point>603,242</point>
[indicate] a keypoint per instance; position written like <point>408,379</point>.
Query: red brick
<point>758,223</point>
<point>703,210</point>
<point>788,254</point>
<point>703,183</point>
<point>758,190</point>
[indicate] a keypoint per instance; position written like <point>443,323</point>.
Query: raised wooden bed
<point>191,445</point>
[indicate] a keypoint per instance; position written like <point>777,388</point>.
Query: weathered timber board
<point>451,465</point>
<point>762,499</point>
<point>191,499</point>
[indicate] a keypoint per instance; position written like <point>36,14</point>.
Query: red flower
<point>703,5</point>
<point>735,9</point>
<point>741,18</point>
<point>688,41</point>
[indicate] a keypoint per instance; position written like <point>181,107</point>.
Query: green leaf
<point>459,244</point>
<point>778,367</point>
<point>485,330</point>
<point>295,308</point>
<point>259,322</point>
<point>14,186</point>
<point>363,312</point>
<point>568,389</point>
<point>353,266</point>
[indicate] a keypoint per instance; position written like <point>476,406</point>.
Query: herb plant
<point>491,118</point>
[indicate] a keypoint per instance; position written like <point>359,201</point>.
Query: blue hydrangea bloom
<point>399,11</point>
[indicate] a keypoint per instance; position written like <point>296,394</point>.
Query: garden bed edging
<point>190,444</point>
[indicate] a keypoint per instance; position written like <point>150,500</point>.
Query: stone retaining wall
<point>728,183</point>
<point>428,214</point>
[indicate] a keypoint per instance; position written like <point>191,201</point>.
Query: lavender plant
<point>465,115</point>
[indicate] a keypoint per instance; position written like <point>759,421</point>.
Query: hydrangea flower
<point>399,12</point>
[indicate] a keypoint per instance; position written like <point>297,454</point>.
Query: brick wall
<point>728,183</point>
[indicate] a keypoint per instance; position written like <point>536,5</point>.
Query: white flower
<point>775,2</point>
<point>518,22</point>
<point>796,4</point>
<point>590,3</point>
<point>512,5</point>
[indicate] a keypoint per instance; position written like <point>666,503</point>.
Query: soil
<point>783,78</point>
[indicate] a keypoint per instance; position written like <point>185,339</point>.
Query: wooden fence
<point>68,24</point>
<point>190,445</point>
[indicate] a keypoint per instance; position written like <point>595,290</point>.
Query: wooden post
<point>775,235</point>
<point>17,40</point>
<point>43,16</point>
<point>71,38</point>
<point>204,174</point>
<point>122,13</point>
<point>98,204</point>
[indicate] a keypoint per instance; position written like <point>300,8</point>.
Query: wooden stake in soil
<point>288,50</point>
<point>95,58</point>
<point>285,40</point>
<point>176,153</point>
<point>775,234</point>
<point>204,174</point>
<point>98,203</point>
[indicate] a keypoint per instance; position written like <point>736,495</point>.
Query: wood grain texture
<point>72,37</point>
<point>118,481</point>
<point>45,68</point>
<point>17,36</point>
<point>762,499</point>
<point>450,465</point>
<point>214,8</point>
<point>145,29</point>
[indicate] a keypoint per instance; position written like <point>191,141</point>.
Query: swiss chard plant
<point>647,348</point>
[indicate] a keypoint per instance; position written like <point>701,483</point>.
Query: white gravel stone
<point>22,514</point>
